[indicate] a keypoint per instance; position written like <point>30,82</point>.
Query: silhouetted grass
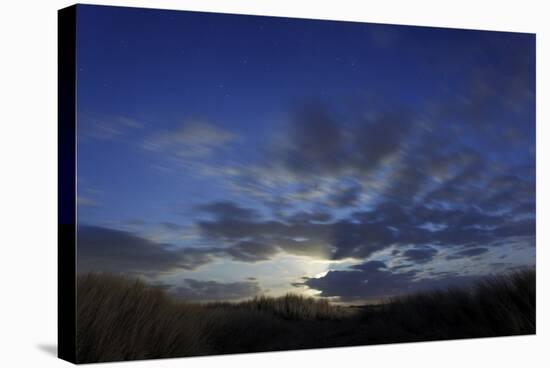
<point>496,306</point>
<point>123,319</point>
<point>291,307</point>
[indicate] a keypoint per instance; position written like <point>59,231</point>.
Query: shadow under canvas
<point>50,349</point>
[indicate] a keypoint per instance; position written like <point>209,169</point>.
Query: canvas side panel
<point>66,333</point>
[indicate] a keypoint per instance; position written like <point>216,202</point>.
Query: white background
<point>28,184</point>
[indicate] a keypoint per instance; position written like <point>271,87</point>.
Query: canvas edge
<point>66,200</point>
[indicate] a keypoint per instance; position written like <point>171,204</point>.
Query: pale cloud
<point>193,139</point>
<point>110,127</point>
<point>84,201</point>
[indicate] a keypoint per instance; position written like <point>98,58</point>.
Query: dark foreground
<point>123,319</point>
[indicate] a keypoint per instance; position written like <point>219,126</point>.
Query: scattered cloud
<point>85,201</point>
<point>365,232</point>
<point>318,143</point>
<point>107,128</point>
<point>191,140</point>
<point>373,281</point>
<point>420,254</point>
<point>250,251</point>
<point>227,210</point>
<point>469,252</point>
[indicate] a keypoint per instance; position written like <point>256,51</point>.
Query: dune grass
<point>496,306</point>
<point>291,307</point>
<point>123,319</point>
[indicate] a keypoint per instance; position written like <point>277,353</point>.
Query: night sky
<point>225,156</point>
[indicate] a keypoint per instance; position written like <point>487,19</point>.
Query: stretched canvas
<point>237,184</point>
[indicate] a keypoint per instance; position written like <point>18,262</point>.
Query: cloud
<point>227,210</point>
<point>107,128</point>
<point>85,201</point>
<point>192,140</point>
<point>317,143</point>
<point>249,251</point>
<point>352,160</point>
<point>170,226</point>
<point>420,254</point>
<point>102,249</point>
<point>373,280</point>
<point>304,217</point>
<point>192,258</point>
<point>363,233</point>
<point>348,196</point>
<point>507,192</point>
<point>353,239</point>
<point>296,238</point>
<point>375,143</point>
<point>108,250</point>
<point>497,88</point>
<point>369,266</point>
<point>524,227</point>
<point>470,252</point>
<point>389,212</point>
<point>200,290</point>
<point>325,157</point>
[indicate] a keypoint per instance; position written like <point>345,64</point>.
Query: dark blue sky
<point>230,155</point>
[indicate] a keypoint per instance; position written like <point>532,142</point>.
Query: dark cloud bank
<point>107,250</point>
<point>373,280</point>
